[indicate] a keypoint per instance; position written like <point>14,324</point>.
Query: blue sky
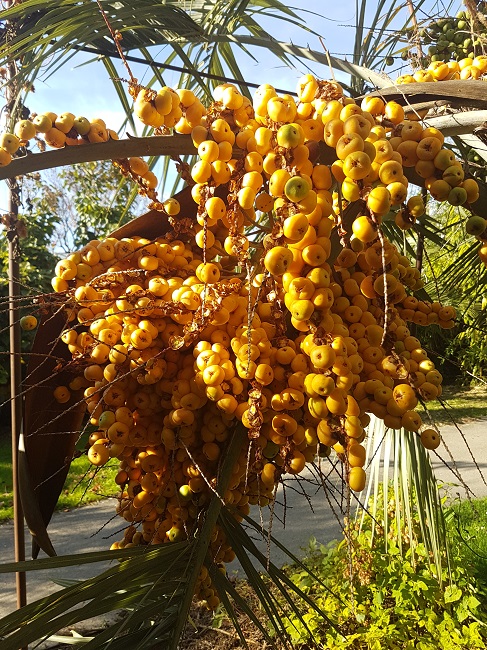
<point>86,89</point>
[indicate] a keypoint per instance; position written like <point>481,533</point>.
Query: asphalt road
<point>94,527</point>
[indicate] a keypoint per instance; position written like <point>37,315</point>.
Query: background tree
<point>61,211</point>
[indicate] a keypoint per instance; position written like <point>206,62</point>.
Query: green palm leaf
<point>160,581</point>
<point>59,28</point>
<point>373,39</point>
<point>399,467</point>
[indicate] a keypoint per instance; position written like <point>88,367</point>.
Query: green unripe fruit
<point>82,125</point>
<point>28,323</point>
<point>457,196</point>
<point>290,136</point>
<point>185,493</point>
<point>475,225</point>
<point>270,450</point>
<point>296,189</point>
<point>106,419</point>
<point>324,451</point>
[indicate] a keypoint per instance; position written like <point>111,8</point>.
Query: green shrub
<point>381,599</point>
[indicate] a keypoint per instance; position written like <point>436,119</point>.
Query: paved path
<point>323,525</point>
<point>475,436</point>
<point>76,531</point>
<point>94,527</point>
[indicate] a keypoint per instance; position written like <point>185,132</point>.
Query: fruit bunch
<point>449,39</point>
<point>278,303</point>
<point>454,38</point>
<point>471,67</point>
<point>168,357</point>
<point>179,109</point>
<point>54,130</point>
<point>441,69</point>
<point>58,131</point>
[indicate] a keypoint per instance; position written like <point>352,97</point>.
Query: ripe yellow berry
<point>61,394</point>
<point>277,260</point>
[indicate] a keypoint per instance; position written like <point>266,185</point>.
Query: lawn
<point>467,524</point>
<point>83,485</point>
<point>460,404</point>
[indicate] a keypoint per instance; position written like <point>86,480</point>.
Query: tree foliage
<point>59,212</point>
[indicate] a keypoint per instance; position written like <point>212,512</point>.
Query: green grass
<point>83,484</point>
<point>462,404</point>
<point>467,523</point>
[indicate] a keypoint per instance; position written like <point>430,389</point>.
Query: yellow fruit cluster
<point>468,68</point>
<point>179,109</point>
<point>58,131</point>
<point>422,312</point>
<point>378,162</point>
<point>175,340</point>
<point>54,130</point>
<point>167,362</point>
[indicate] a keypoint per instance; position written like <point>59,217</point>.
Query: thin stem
<point>117,37</point>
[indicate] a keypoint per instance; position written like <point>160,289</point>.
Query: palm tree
<point>157,585</point>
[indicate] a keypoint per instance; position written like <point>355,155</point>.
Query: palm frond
<point>301,53</point>
<point>62,27</point>
<point>122,585</point>
<point>120,90</point>
<point>369,31</point>
<point>284,595</point>
<point>401,481</point>
<point>160,580</point>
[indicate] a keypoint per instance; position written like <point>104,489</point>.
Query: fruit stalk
<point>13,237</point>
